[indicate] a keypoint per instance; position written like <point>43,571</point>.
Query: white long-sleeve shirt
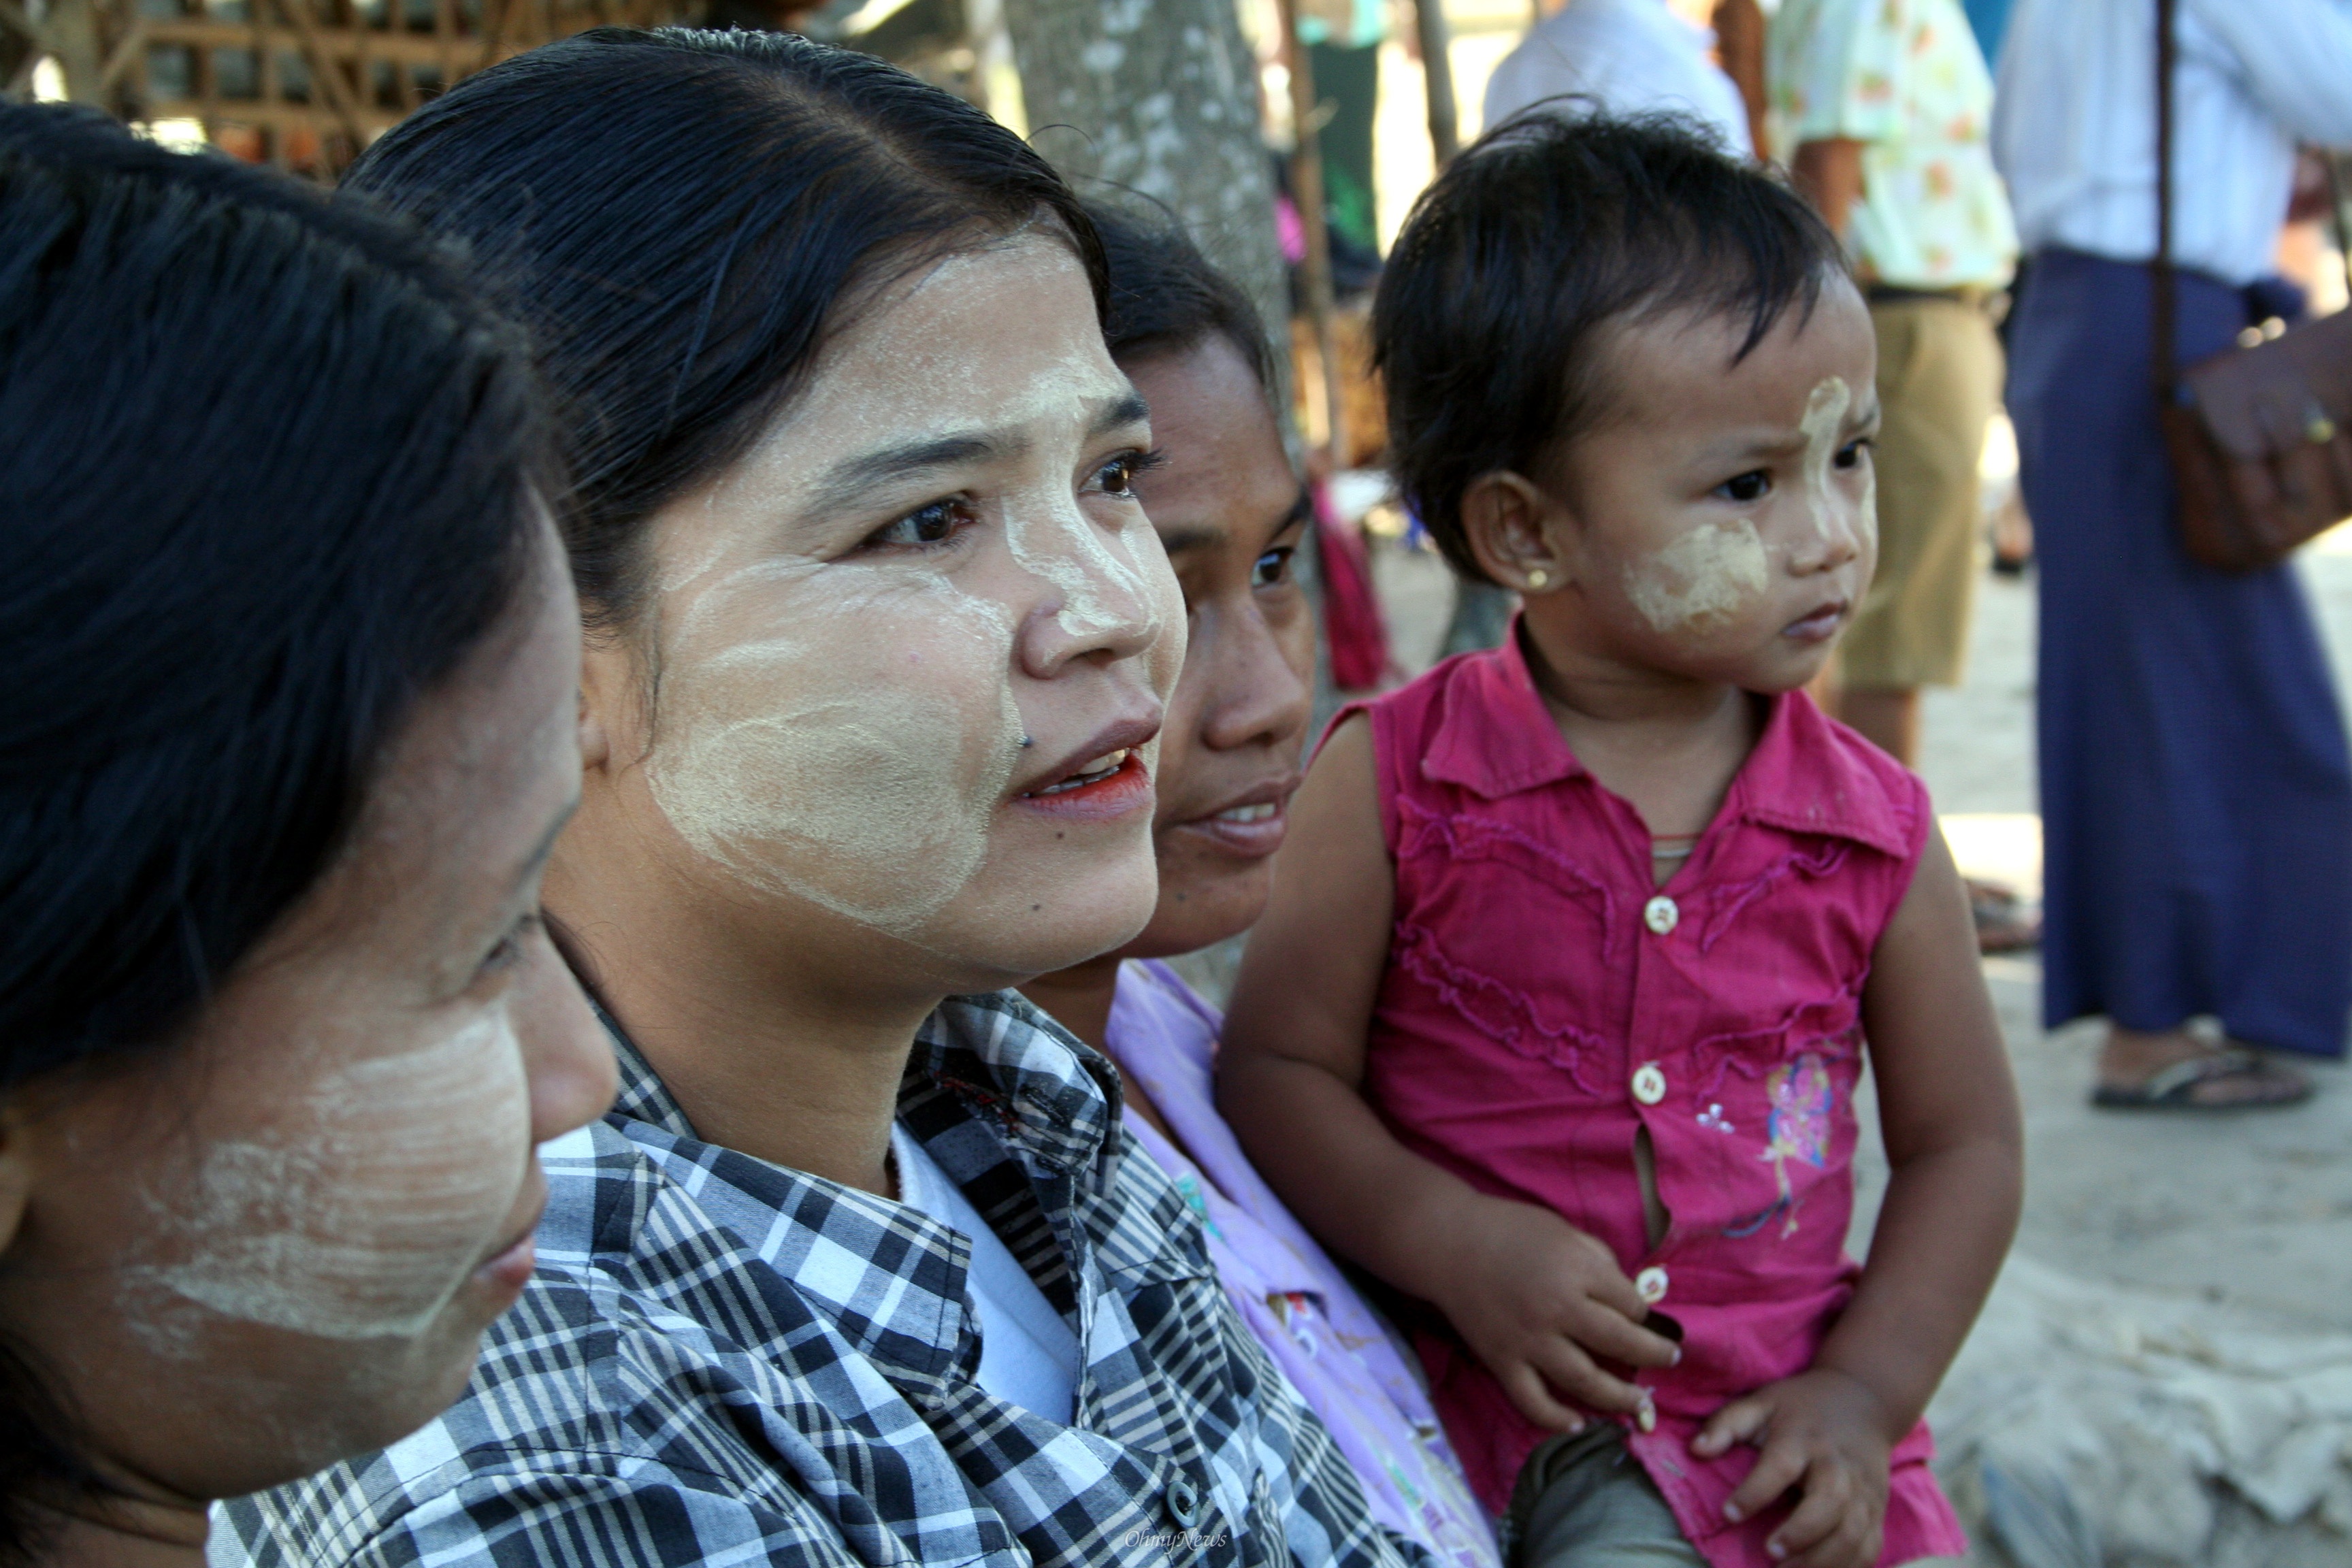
<point>2074,123</point>
<point>1628,56</point>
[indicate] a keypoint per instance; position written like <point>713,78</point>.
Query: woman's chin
<point>1020,937</point>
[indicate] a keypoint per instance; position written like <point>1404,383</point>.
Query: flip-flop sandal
<point>2005,923</point>
<point>2174,1088</point>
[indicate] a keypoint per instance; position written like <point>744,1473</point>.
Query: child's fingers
<point>1776,1469</point>
<point>1851,1545</point>
<point>1573,1372</point>
<point>1533,1399</point>
<point>1828,1503</point>
<point>1604,1331</point>
<point>1741,1421</point>
<point>1614,1291</point>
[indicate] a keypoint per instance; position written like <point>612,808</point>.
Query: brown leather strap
<point>2168,370</point>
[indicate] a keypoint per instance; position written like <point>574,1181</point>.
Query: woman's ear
<point>1513,529</point>
<point>15,1169</point>
<point>608,679</point>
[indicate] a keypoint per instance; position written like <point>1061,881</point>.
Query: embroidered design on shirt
<point>1802,1094</point>
<point>1712,1119</point>
<point>1195,1200</point>
<point>1296,1311</point>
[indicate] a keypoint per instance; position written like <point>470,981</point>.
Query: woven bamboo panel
<point>307,83</point>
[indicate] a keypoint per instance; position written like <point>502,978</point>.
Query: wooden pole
<point>1437,41</point>
<point>1306,190</point>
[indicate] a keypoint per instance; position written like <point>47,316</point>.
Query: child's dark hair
<point>1165,296</point>
<point>683,220</point>
<point>1528,246</point>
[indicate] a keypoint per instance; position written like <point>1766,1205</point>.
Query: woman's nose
<point>1106,590</point>
<point>567,1056</point>
<point>1255,696</point>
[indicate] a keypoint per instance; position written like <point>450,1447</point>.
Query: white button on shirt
<point>1650,1284</point>
<point>1649,1083</point>
<point>1628,56</point>
<point>2074,123</point>
<point>1662,915</point>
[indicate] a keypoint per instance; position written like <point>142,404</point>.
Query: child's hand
<point>1824,1432</point>
<point>1538,1299</point>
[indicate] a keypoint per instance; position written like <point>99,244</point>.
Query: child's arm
<point>1948,1109</point>
<point>1533,1297</point>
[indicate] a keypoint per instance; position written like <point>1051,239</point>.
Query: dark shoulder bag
<point>2260,437</point>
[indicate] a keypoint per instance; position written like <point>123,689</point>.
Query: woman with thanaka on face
<point>1560,1007</point>
<point>860,1269</point>
<point>1229,510</point>
<point>295,666</point>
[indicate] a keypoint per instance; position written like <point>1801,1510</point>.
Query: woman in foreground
<point>1231,513</point>
<point>859,1269</point>
<point>294,665</point>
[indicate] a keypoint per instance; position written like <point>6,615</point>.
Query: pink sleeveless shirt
<point>1544,1001</point>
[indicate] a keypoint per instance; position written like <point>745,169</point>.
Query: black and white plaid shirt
<point>724,1362</point>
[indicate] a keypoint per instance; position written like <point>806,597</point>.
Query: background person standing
<point>1882,111</point>
<point>1628,56</point>
<point>2196,792</point>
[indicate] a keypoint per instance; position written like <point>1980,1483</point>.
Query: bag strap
<point>2338,227</point>
<point>2161,352</point>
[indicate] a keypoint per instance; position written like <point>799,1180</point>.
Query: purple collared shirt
<point>1290,1294</point>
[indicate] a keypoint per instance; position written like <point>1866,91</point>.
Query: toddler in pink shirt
<point>1578,947</point>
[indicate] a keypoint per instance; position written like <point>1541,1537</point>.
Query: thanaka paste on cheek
<point>365,1208</point>
<point>843,730</point>
<point>806,765</point>
<point>1704,578</point>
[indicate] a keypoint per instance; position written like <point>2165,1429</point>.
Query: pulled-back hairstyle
<point>1487,325</point>
<point>1165,296</point>
<point>268,477</point>
<point>683,220</point>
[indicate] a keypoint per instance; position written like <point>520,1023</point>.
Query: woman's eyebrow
<point>1121,408</point>
<point>850,479</point>
<point>546,845</point>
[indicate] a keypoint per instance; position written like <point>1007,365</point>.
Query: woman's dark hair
<point>268,477</point>
<point>683,220</point>
<point>1165,296</point>
<point>1510,266</point>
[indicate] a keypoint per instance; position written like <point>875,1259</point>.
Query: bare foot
<point>2177,1068</point>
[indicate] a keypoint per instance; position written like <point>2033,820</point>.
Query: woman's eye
<point>1751,486</point>
<point>1273,568</point>
<point>934,524</point>
<point>509,951</point>
<point>1850,453</point>
<point>1117,477</point>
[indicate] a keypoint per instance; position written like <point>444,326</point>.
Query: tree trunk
<point>1159,96</point>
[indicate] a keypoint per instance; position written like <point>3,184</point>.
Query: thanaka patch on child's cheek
<point>1704,578</point>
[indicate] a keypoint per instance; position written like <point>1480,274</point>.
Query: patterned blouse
<point>1906,79</point>
<point>724,1361</point>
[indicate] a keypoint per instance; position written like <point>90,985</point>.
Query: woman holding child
<point>859,1269</point>
<point>1231,513</point>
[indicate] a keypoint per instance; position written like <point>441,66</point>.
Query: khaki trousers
<point>1939,373</point>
